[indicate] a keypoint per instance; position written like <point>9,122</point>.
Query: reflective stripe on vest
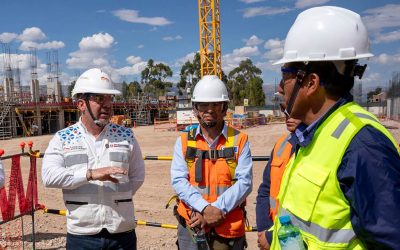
<point>342,126</point>
<point>323,234</point>
<point>310,190</point>
<point>203,190</point>
<point>283,146</point>
<point>281,155</point>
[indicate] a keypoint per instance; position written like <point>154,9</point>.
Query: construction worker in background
<point>267,203</point>
<point>99,167</point>
<point>211,173</point>
<point>341,188</point>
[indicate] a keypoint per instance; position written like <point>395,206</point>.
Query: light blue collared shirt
<point>232,197</point>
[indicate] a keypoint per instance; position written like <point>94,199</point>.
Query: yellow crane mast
<point>210,37</point>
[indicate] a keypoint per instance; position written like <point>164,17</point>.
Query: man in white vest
<point>99,167</point>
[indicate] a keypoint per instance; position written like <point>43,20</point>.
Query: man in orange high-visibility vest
<point>211,172</point>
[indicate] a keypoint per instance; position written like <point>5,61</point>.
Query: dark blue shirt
<point>369,176</point>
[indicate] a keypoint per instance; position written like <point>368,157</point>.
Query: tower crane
<point>210,37</point>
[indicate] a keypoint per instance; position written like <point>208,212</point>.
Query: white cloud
<point>253,41</point>
<point>251,1</point>
<point>135,69</point>
<point>267,65</point>
<point>29,38</point>
<point>97,41</point>
<point>27,45</point>
<point>32,34</point>
<point>387,37</point>
<point>133,59</point>
<point>264,11</point>
<point>170,38</point>
<point>371,79</point>
<point>7,37</point>
<point>308,3</point>
<point>386,59</point>
<point>132,16</point>
<point>383,17</point>
<point>93,52</point>
<point>232,60</point>
<point>274,49</point>
<point>180,61</point>
<point>23,63</point>
<point>140,46</point>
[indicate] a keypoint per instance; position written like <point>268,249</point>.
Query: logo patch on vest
<point>117,145</point>
<point>74,148</point>
<point>235,148</point>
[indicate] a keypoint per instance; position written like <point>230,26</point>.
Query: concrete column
<point>38,120</point>
<point>61,119</point>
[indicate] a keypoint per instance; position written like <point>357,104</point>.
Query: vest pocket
<point>119,158</point>
<point>72,159</point>
<point>303,190</point>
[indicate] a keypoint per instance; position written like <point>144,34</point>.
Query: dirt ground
<point>150,200</point>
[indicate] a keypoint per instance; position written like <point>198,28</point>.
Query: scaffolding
<point>6,120</point>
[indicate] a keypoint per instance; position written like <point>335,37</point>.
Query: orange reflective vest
<point>214,174</point>
<point>281,155</point>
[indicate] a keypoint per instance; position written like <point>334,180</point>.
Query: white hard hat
<point>210,89</point>
<point>94,81</point>
<point>326,33</point>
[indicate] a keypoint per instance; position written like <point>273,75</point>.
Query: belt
<point>104,233</point>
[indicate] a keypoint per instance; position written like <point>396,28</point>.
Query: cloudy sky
<point>120,36</point>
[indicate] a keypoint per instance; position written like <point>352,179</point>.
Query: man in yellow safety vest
<point>341,189</point>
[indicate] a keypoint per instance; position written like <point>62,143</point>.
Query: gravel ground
<point>150,200</point>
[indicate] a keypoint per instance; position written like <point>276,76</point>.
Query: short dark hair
<point>335,84</point>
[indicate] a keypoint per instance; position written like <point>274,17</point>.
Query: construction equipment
<point>21,120</point>
<point>210,37</point>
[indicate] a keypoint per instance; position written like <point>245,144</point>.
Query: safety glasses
<point>204,106</point>
<point>100,99</point>
<point>288,73</point>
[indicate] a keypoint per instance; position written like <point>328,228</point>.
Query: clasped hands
<point>211,216</point>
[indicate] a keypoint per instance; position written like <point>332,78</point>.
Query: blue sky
<point>120,36</point>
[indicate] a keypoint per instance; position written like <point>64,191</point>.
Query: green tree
<point>124,92</point>
<point>190,74</point>
<point>245,81</point>
<point>71,87</point>
<point>134,90</point>
<point>154,77</point>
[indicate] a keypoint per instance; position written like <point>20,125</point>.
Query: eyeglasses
<point>100,99</point>
<point>288,73</point>
<point>204,106</point>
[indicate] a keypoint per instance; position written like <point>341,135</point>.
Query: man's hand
<point>104,174</point>
<point>262,241</point>
<point>197,220</point>
<point>213,216</point>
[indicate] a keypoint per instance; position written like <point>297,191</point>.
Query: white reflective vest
<point>98,204</point>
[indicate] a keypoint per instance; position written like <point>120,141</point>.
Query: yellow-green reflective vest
<point>310,193</point>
